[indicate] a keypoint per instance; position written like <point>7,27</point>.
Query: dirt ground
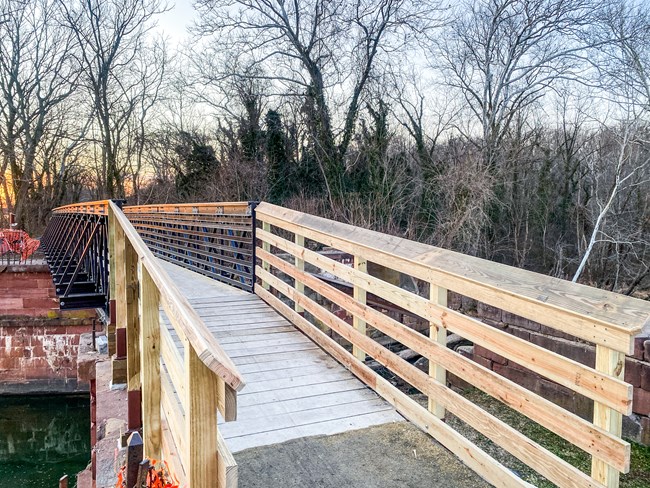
<point>392,455</point>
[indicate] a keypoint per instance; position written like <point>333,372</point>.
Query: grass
<point>638,477</point>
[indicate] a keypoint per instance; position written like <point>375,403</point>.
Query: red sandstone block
<point>522,378</point>
<point>78,329</point>
<point>482,361</point>
<point>42,303</point>
<point>641,401</point>
<point>645,376</point>
<point>638,346</point>
<point>633,372</point>
<point>519,332</point>
<point>486,353</point>
<point>582,353</point>
<point>10,304</point>
<point>45,283</point>
<point>646,350</point>
<point>488,312</point>
<point>54,330</point>
<point>512,319</point>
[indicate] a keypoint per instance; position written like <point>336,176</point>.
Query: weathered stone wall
<point>38,342</point>
<point>637,366</point>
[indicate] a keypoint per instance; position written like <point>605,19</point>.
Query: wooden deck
<point>293,388</point>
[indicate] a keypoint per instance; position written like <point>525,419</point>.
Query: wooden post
<point>438,333</point>
<point>143,470</point>
<point>359,295</point>
<point>119,363</point>
<point>612,363</point>
<point>112,260</point>
<point>300,265</point>
<point>267,247</point>
<point>201,463</point>
<point>150,363</point>
<point>132,291</point>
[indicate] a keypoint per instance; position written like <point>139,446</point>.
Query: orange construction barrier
<point>18,242</point>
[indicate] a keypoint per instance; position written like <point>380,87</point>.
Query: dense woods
<point>514,130</point>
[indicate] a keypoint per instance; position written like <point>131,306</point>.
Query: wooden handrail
<point>202,340</point>
<point>592,314</point>
<point>606,319</point>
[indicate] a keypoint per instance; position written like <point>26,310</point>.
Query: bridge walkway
<point>293,389</point>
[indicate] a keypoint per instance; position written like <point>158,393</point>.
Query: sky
<point>175,22</point>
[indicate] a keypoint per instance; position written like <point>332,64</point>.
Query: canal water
<point>42,438</point>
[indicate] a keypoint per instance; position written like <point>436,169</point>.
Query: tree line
<point>514,130</point>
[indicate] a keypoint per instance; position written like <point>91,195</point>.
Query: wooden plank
<point>613,363</point>
<point>330,427</point>
<point>171,455</point>
<point>307,404</point>
<point>437,333</point>
<point>228,471</point>
<point>150,356</point>
<point>227,401</point>
<point>266,227</point>
<point>173,411</point>
<point>282,421</point>
<point>578,377</point>
<point>132,318</point>
<point>359,294</point>
<point>471,455</point>
<point>300,264</point>
<point>272,396</point>
<point>314,379</point>
<point>179,311</point>
<point>201,460</point>
<point>527,451</point>
<point>583,434</point>
<point>592,314</point>
<point>173,361</point>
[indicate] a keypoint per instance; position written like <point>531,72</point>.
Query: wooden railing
<point>214,239</point>
<point>608,320</point>
<point>180,396</point>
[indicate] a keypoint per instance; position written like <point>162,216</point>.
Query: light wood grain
<point>150,367</point>
<point>578,377</point>
<point>595,315</point>
<point>359,294</point>
<point>529,452</point>
<point>437,333</point>
<point>132,318</point>
<point>201,460</point>
<point>584,434</point>
<point>228,471</point>
<point>180,312</point>
<point>610,362</point>
<point>472,455</point>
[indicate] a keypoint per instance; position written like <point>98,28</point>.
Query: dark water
<point>42,438</point>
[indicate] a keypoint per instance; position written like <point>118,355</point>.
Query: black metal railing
<point>214,239</point>
<point>76,248</point>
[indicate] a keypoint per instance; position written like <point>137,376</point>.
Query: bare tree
<point>503,55</point>
<point>37,74</point>
<point>111,35</point>
<point>324,52</point>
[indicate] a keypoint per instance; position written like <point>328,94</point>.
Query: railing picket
<point>610,362</point>
<point>150,363</point>
<point>300,264</point>
<point>201,406</point>
<point>267,247</point>
<point>438,333</point>
<point>359,294</point>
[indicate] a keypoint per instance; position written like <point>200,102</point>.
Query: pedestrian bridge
<point>234,330</point>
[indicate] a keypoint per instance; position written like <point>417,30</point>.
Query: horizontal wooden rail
<point>608,320</point>
<point>214,239</point>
